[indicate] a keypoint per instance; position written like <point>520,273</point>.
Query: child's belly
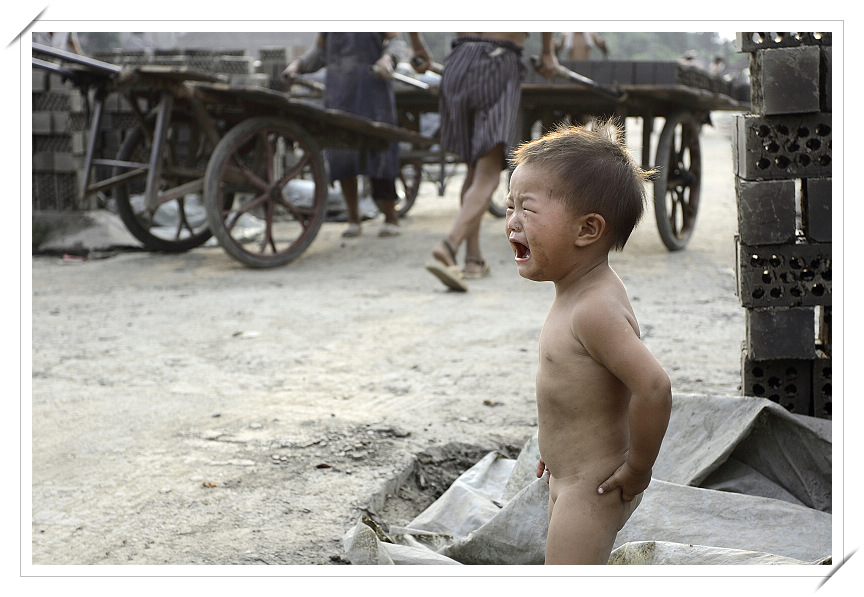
<point>593,463</point>
<point>594,445</point>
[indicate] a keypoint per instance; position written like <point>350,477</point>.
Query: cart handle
<point>104,67</point>
<point>566,73</point>
<point>397,76</point>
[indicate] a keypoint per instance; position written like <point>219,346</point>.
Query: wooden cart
<point>242,163</point>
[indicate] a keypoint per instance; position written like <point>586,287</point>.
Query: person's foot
<point>388,229</point>
<point>352,230</point>
<point>443,266</point>
<point>475,268</point>
<point>444,253</point>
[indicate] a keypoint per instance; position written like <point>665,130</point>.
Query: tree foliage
<point>671,46</point>
<point>631,46</point>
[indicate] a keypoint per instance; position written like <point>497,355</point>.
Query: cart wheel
<point>275,173</point>
<point>177,224</point>
<point>407,187</point>
<point>678,181</point>
<point>498,205</point>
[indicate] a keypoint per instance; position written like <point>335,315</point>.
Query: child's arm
<point>611,340</point>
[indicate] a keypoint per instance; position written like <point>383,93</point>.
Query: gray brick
<point>822,387</point>
<point>79,142</point>
<point>43,161</point>
<point>40,79</point>
<point>784,275</point>
<point>785,80</point>
<point>816,209</point>
<point>643,72</point>
<point>785,333</point>
<point>788,382</point>
<point>752,41</point>
<point>825,79</point>
<point>60,122</point>
<point>43,123</point>
<point>67,162</point>
<point>782,147</point>
<point>766,211</point>
<point>823,333</point>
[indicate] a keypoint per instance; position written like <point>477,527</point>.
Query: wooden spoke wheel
<point>265,191</point>
<point>407,186</point>
<point>179,221</point>
<point>677,184</point>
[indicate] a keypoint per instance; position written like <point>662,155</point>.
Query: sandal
<point>388,229</point>
<point>450,275</point>
<point>474,275</point>
<point>352,231</point>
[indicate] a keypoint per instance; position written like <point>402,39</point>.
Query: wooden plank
<point>318,120</point>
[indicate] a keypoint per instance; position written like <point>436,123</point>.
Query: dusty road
<point>188,410</point>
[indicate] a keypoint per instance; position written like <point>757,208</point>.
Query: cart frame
<point>184,117</point>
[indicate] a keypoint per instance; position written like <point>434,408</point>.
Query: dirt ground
<point>189,410</point>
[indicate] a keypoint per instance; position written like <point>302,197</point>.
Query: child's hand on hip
<point>541,468</point>
<point>631,482</point>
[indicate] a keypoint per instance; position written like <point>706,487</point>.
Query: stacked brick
<point>59,143</point>
<point>272,62</point>
<point>232,66</point>
<point>653,73</point>
<point>782,164</point>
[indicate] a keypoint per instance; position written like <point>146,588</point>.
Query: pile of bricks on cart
<point>650,73</point>
<point>60,114</point>
<point>782,157</point>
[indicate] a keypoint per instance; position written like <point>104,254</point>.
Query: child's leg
<point>582,523</point>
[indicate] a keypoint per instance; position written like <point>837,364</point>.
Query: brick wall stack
<point>782,164</point>
<point>272,62</point>
<point>59,143</point>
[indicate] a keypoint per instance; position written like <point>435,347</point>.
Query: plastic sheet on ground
<point>739,480</point>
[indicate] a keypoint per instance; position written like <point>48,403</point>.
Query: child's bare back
<point>603,400</point>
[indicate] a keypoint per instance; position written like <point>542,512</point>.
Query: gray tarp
<point>739,480</point>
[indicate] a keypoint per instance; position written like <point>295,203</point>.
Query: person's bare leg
<point>582,524</point>
<point>349,192</point>
<point>472,243</point>
<point>475,202</point>
<point>388,208</point>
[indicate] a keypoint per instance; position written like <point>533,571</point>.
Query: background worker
<point>352,86</point>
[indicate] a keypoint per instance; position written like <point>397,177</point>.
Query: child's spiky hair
<point>593,172</point>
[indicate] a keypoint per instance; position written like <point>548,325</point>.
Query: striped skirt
<point>479,99</point>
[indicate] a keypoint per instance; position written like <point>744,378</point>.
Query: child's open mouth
<point>523,253</point>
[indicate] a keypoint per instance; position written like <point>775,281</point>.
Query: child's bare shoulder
<point>605,303</point>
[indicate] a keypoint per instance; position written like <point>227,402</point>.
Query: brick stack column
<point>59,143</point>
<point>272,62</point>
<point>782,164</point>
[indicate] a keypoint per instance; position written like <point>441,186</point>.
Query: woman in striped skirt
<point>478,101</point>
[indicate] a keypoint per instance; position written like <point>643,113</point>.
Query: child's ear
<point>589,229</point>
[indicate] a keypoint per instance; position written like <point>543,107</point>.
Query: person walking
<point>478,101</point>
